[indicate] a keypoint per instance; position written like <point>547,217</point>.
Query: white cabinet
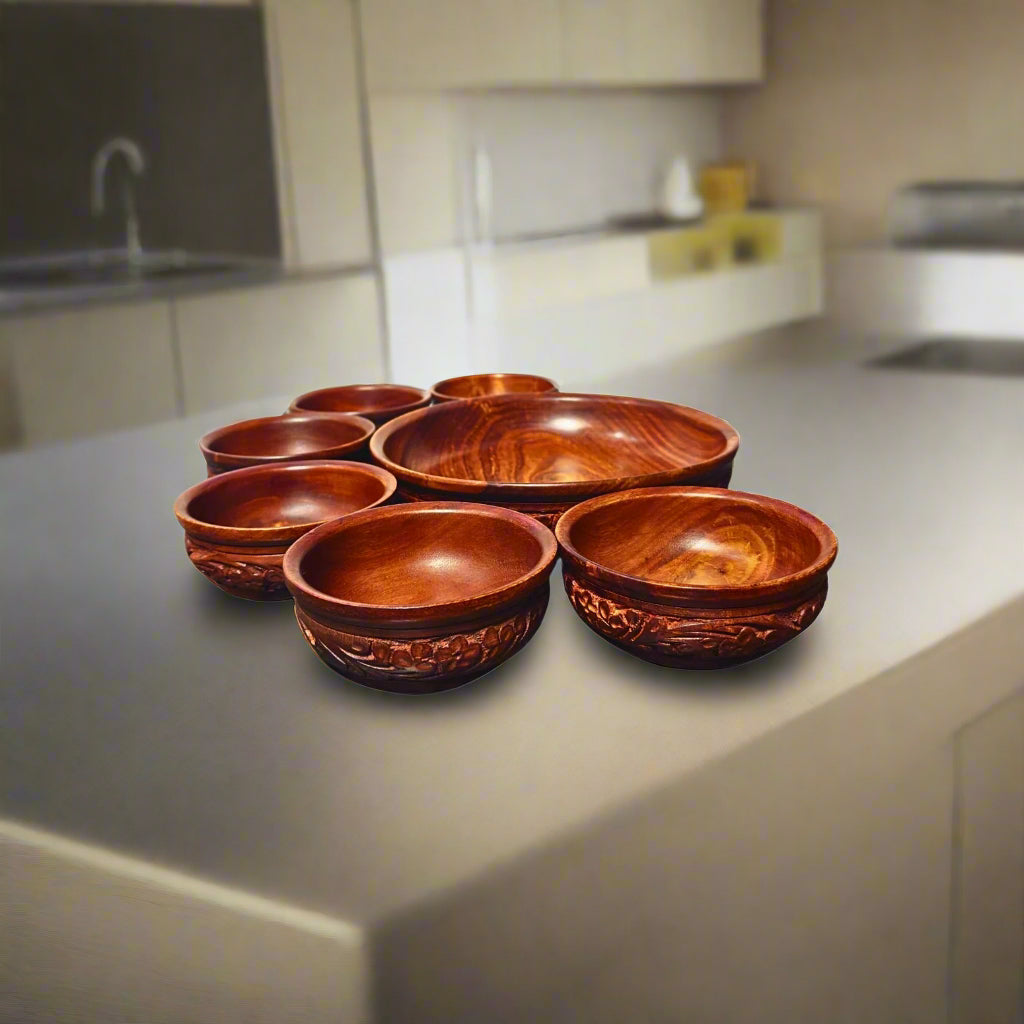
<point>988,946</point>
<point>321,177</point>
<point>413,44</point>
<point>694,41</point>
<point>278,340</point>
<point>595,40</point>
<point>85,371</point>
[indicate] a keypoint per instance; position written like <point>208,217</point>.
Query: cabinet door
<point>322,181</point>
<point>595,40</point>
<point>86,371</point>
<point>278,340</point>
<point>988,942</point>
<point>412,44</point>
<point>694,40</point>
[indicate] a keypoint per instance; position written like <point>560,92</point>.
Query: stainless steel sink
<point>957,355</point>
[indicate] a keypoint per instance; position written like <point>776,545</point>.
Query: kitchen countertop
<point>254,274</point>
<point>152,715</point>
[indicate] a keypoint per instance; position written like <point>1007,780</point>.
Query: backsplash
<point>564,160</point>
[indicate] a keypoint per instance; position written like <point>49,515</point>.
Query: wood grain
<point>695,577</point>
<point>478,385</point>
<point>238,525</point>
<point>376,402</point>
<point>276,439</point>
<point>546,452</point>
<point>416,598</point>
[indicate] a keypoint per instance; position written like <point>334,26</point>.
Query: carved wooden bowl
<point>479,384</point>
<point>239,525</point>
<point>289,438</point>
<point>421,598</point>
<point>377,402</point>
<point>541,454</point>
<point>695,577</point>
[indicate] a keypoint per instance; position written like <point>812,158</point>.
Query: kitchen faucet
<point>132,154</point>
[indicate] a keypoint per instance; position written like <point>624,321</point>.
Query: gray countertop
<point>149,713</point>
<point>246,274</point>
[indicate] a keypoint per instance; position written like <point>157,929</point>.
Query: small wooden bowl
<point>695,577</point>
<point>421,598</point>
<point>479,384</point>
<point>276,439</point>
<point>239,525</point>
<point>541,454</point>
<point>377,402</point>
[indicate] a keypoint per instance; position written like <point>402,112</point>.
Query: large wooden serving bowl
<point>275,439</point>
<point>542,454</point>
<point>478,385</point>
<point>420,598</point>
<point>695,577</point>
<point>239,525</point>
<point>377,402</point>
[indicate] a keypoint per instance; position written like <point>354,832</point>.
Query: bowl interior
<point>286,496</point>
<point>551,439</point>
<point>360,398</point>
<point>477,385</point>
<point>287,436</point>
<point>699,541</point>
<point>433,557</point>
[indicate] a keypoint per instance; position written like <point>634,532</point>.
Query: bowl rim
<point>259,535</point>
<point>326,606</point>
<point>551,490</point>
<point>798,581</point>
<point>438,395</point>
<point>419,397</point>
<point>217,458</point>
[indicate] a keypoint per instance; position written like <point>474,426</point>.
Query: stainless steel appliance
<point>959,214</point>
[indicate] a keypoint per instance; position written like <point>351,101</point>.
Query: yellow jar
<point>726,187</point>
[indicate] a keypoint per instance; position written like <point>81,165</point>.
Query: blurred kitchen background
<point>211,202</point>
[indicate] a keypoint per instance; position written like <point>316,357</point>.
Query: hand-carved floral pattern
<point>369,659</point>
<point>691,642</point>
<point>256,576</point>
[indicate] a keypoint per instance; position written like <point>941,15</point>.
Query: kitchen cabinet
<point>86,371</point>
<point>595,40</point>
<point>458,43</point>
<point>278,340</point>
<point>467,43</point>
<point>321,175</point>
<point>988,946</point>
<point>694,41</point>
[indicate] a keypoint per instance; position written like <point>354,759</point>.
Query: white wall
<point>561,159</point>
<point>565,160</point>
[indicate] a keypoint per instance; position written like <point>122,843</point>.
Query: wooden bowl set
<point>658,557</point>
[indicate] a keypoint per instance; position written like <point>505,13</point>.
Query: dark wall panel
<point>188,83</point>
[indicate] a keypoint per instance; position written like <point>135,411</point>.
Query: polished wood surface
<point>543,453</point>
<point>420,598</point>
<point>277,439</point>
<point>695,577</point>
<point>479,384</point>
<point>238,525</point>
<point>377,402</point>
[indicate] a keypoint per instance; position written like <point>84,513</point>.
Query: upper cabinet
<point>694,41</point>
<point>413,44</point>
<point>595,40</point>
<point>450,44</point>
